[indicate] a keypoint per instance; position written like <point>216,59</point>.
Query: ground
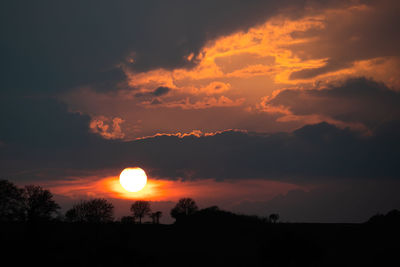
<point>282,244</point>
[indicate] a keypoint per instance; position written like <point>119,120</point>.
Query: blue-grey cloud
<point>357,100</point>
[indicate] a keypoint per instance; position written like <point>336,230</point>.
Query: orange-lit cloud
<point>207,102</point>
<point>239,71</point>
<point>278,48</point>
<point>194,133</point>
<point>259,51</point>
<point>212,88</point>
<point>107,128</point>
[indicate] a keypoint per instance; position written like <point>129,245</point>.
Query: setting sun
<point>133,179</point>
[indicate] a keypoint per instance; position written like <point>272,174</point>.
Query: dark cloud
<point>329,66</point>
<point>47,46</point>
<point>367,32</point>
<point>52,141</point>
<point>355,100</point>
<point>161,91</point>
<point>106,81</point>
<point>41,122</point>
<point>41,134</point>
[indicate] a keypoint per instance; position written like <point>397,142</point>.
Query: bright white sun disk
<point>133,179</point>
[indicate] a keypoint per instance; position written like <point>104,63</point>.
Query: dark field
<point>281,244</point>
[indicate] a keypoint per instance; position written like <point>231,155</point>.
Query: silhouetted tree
<point>184,207</point>
<point>140,209</point>
<point>392,217</point>
<point>265,219</point>
<point>155,216</point>
<point>128,219</point>
<point>98,210</point>
<point>158,216</point>
<point>274,217</point>
<point>12,204</point>
<point>39,203</point>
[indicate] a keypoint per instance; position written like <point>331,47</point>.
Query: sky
<point>259,107</point>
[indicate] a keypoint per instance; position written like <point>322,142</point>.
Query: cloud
<point>42,122</point>
<point>50,46</point>
<point>102,126</point>
<point>330,66</point>
<point>51,142</point>
<point>40,135</point>
<point>357,100</point>
<point>364,31</point>
<point>311,153</point>
<point>204,103</point>
<point>260,51</point>
<point>213,88</point>
<point>230,71</point>
<point>161,91</point>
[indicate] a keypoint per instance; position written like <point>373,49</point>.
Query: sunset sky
<point>259,107</point>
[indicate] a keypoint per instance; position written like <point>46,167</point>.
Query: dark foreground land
<point>281,244</point>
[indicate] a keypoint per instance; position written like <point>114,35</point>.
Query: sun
<point>133,179</point>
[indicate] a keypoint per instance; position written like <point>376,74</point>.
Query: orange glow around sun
<point>170,190</point>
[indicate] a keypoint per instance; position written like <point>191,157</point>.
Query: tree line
<point>100,210</point>
<point>33,203</point>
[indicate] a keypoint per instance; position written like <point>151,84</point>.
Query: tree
<point>274,217</point>
<point>392,217</point>
<point>12,205</point>
<point>39,203</point>
<point>98,210</point>
<point>158,216</point>
<point>140,209</point>
<point>155,216</point>
<point>184,207</point>
<point>127,219</point>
